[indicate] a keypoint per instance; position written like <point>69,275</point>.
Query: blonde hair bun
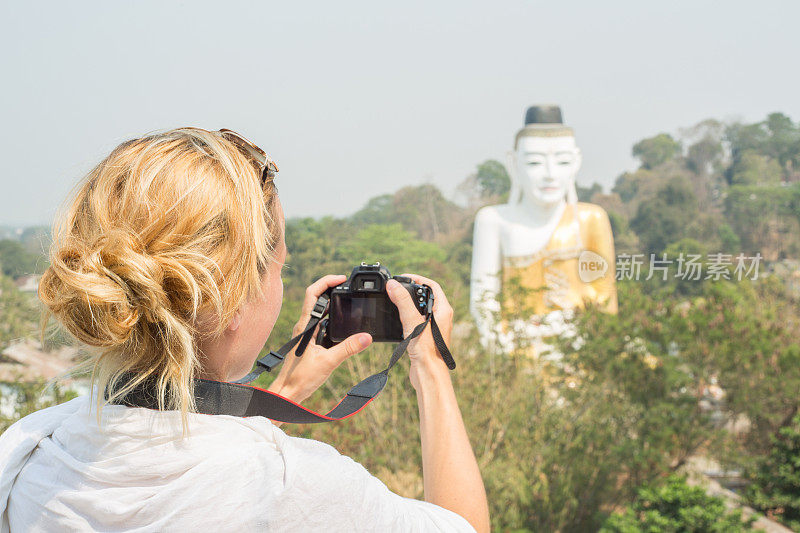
<point>165,228</point>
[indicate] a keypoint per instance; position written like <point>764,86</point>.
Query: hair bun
<point>101,290</point>
<point>118,255</point>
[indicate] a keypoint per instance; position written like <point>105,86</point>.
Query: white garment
<point>61,472</point>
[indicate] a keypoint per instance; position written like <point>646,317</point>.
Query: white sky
<point>356,99</point>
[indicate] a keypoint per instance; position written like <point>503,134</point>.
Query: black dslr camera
<point>361,304</point>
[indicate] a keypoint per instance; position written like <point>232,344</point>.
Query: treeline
<point>728,187</point>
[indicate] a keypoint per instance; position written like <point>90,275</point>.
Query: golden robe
<point>549,280</point>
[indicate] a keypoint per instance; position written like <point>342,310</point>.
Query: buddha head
<point>545,159</point>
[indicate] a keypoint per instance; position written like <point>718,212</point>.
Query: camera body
<point>361,304</point>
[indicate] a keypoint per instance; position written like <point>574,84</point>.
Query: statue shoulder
<point>596,227</point>
<point>490,215</point>
<point>588,211</point>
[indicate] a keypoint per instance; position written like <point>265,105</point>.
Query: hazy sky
<point>356,99</point>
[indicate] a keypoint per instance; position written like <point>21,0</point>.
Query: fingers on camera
<point>350,346</point>
<point>316,289</point>
<point>440,300</point>
<point>405,305</point>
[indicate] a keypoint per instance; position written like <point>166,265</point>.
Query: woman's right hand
<point>425,359</point>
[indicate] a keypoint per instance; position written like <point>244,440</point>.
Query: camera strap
<point>240,399</point>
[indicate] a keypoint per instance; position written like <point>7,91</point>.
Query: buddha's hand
<point>425,359</point>
<point>301,376</point>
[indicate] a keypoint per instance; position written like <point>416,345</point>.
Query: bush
<point>776,481</point>
<point>676,507</point>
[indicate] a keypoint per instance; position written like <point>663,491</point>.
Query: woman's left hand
<point>300,376</point>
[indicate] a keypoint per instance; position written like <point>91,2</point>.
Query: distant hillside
<point>731,187</point>
<point>421,209</point>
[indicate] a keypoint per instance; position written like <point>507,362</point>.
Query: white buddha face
<point>546,167</point>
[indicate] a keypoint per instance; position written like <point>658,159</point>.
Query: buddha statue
<point>542,254</point>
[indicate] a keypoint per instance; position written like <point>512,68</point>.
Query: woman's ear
<point>235,321</point>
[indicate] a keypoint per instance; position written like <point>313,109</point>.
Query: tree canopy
<point>655,151</point>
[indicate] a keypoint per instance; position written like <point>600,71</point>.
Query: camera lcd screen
<point>373,313</point>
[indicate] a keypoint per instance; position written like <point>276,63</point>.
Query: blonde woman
<point>166,265</point>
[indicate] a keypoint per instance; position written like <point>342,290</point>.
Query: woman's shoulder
<point>21,439</point>
<point>40,423</point>
<point>306,458</point>
<point>345,496</point>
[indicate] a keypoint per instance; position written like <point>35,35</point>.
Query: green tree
<point>420,209</point>
<point>687,249</point>
<point>729,239</point>
<point>379,210</point>
<point>704,155</point>
<point>777,138</point>
<point>784,142</point>
<point>492,179</point>
<point>393,246</point>
<point>639,185</point>
<point>766,219</point>
<point>666,217</point>
<point>585,194</point>
<point>625,240</point>
<point>17,313</point>
<point>626,186</point>
<point>775,485</point>
<point>36,239</point>
<point>16,260</point>
<point>744,334</point>
<point>744,137</point>
<point>676,507</point>
<point>753,168</point>
<point>657,150</point>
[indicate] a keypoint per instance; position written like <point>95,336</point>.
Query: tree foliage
<point>422,210</point>
<point>704,156</point>
<point>767,219</point>
<point>17,313</point>
<point>742,177</point>
<point>753,168</point>
<point>585,194</point>
<point>676,507</point>
<point>655,151</point>
<point>776,138</point>
<point>16,260</point>
<point>667,217</point>
<point>493,179</point>
<point>776,480</point>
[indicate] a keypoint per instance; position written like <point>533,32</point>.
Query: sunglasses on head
<point>270,168</point>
